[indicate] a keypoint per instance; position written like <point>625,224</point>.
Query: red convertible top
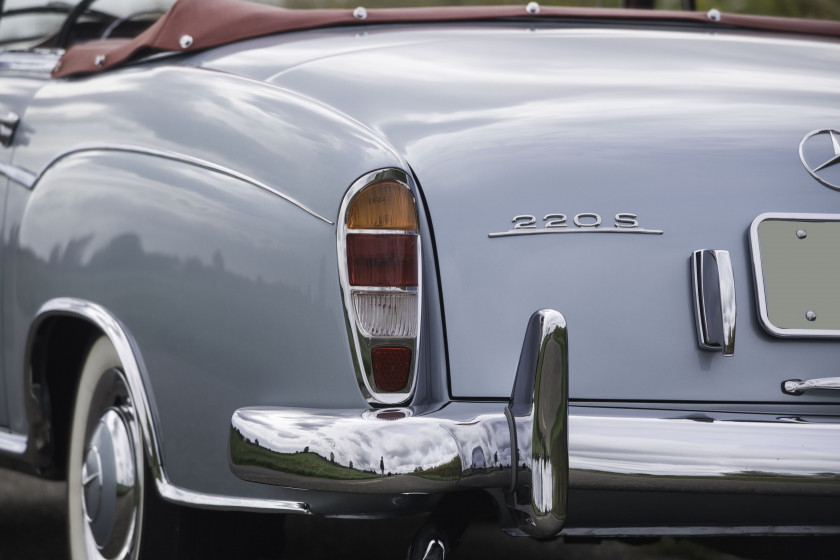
<point>198,24</point>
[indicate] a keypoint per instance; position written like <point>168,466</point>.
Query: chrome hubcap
<point>110,485</point>
<point>92,483</point>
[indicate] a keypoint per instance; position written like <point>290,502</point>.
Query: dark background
<point>32,527</point>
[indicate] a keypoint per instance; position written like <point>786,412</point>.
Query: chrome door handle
<point>714,300</point>
<point>797,386</point>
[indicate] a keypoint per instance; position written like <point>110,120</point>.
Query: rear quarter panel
<point>230,291</point>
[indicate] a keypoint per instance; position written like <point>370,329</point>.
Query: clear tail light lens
<point>386,314</point>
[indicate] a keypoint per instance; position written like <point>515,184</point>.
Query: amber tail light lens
<point>382,260</point>
<point>383,206</point>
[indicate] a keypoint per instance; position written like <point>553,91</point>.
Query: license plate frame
<point>796,267</point>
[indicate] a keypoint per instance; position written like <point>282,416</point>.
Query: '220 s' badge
<point>820,154</point>
<point>585,222</point>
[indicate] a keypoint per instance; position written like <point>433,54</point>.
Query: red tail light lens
<point>382,260</point>
<point>391,366</point>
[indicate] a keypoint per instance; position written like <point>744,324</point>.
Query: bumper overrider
<point>525,449</point>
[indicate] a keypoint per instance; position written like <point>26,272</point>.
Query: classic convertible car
<point>369,263</point>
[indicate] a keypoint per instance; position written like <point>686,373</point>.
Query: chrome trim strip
<point>686,454</point>
<point>700,322</point>
<point>386,231</point>
<point>515,232</point>
<point>13,444</point>
<point>387,290</point>
<point>720,293</point>
<point>174,156</point>
<point>758,274</point>
<point>201,500</point>
<point>36,63</point>
<point>133,369</point>
<point>797,386</point>
<point>728,309</point>
<point>18,175</point>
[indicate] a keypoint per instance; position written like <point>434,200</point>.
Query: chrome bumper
<point>521,447</point>
<point>532,449</point>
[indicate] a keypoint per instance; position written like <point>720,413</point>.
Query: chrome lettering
<point>555,221</point>
<point>585,222</point>
<point>580,224</point>
<point>626,221</point>
<point>526,222</point>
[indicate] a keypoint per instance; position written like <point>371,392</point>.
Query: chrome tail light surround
<point>369,310</point>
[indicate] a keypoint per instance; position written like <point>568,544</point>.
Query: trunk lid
<point>691,133</point>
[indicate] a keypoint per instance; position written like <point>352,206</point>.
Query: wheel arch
<point>58,340</point>
<point>49,332</point>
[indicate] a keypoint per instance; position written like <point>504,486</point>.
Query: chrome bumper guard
<point>522,449</point>
<point>530,449</point>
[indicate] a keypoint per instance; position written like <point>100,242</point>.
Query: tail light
<point>380,270</point>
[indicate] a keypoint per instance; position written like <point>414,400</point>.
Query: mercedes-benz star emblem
<point>819,146</point>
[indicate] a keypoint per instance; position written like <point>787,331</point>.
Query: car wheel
<point>110,491</point>
<point>105,474</point>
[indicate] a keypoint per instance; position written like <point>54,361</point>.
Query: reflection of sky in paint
<point>205,216</point>
<point>280,138</point>
<point>689,448</point>
<point>402,445</point>
<point>526,97</point>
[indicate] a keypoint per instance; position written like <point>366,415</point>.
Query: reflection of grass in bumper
<point>303,463</point>
<point>306,463</point>
<point>446,471</point>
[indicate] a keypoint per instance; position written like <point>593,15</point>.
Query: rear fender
<point>227,287</point>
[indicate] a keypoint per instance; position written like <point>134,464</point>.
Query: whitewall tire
<point>105,474</point>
